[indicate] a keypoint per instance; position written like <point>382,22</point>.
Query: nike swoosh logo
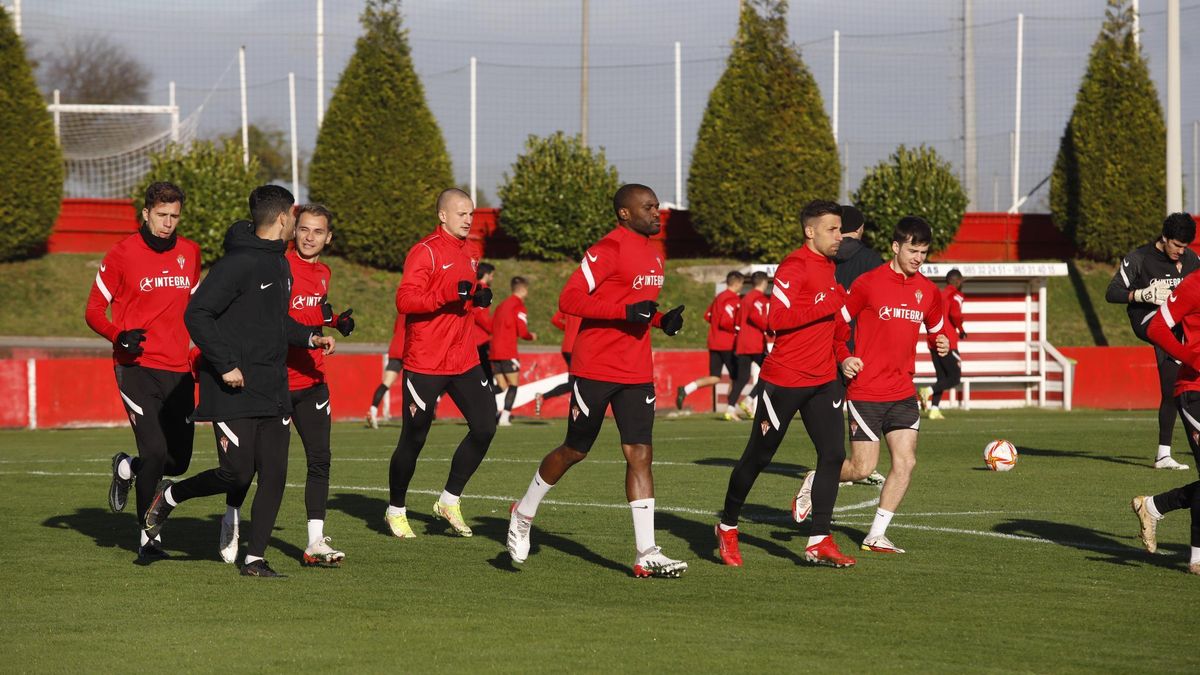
<point>483,383</point>
<point>287,421</point>
<point>1126,263</point>
<point>641,507</point>
<point>263,286</point>
<point>1172,297</point>
<point>644,316</point>
<point>102,268</point>
<point>448,266</point>
<point>127,346</point>
<point>321,406</point>
<point>651,399</point>
<point>591,257</point>
<point>783,284</point>
<point>837,404</point>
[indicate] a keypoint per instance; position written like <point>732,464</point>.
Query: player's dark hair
<point>1180,227</point>
<point>317,210</point>
<point>734,278</point>
<point>162,192</point>
<point>267,202</point>
<point>759,278</point>
<point>953,275</point>
<point>912,230</point>
<point>817,208</point>
<point>517,282</point>
<point>445,195</point>
<point>483,269</point>
<point>624,194</point>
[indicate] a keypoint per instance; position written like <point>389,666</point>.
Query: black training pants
<point>311,415</point>
<point>1168,372</point>
<point>820,408</point>
<point>1188,496</point>
<point>245,447</point>
<point>471,392</point>
<point>160,405</point>
<point>745,364</point>
<point>949,373</point>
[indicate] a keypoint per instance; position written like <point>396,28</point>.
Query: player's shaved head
<point>449,195</point>
<point>626,196</point>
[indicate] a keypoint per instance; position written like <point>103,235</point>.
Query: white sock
<point>1195,555</point>
<point>125,468</point>
<point>816,539</point>
<point>448,499</point>
<point>726,528</point>
<point>643,523</point>
<point>1152,508</point>
<point>1163,451</point>
<point>143,539</point>
<point>883,518</point>
<point>374,411</point>
<point>252,558</point>
<point>232,514</point>
<point>730,410</point>
<point>504,415</point>
<point>538,488</point>
<point>689,388</point>
<point>167,496</point>
<point>396,510</point>
<point>316,531</point>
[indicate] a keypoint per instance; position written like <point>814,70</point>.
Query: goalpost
<point>107,148</point>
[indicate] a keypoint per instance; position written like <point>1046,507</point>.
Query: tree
<point>30,159</point>
<point>380,159</point>
<point>1109,182</point>
<point>216,186</point>
<point>94,69</point>
<point>913,181</point>
<point>558,199</point>
<point>272,149</point>
<point>765,146</point>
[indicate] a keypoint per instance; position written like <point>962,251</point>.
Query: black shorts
<point>159,404</point>
<point>719,359</point>
<point>871,420</point>
<point>394,365</point>
<point>632,406</point>
<point>506,367</point>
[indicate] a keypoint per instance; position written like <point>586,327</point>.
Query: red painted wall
<point>1114,378</point>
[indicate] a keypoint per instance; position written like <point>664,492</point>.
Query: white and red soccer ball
<point>1000,455</point>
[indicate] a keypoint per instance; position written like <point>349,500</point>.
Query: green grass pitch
<point>1036,570</point>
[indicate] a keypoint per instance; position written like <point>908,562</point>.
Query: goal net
<point>107,148</point>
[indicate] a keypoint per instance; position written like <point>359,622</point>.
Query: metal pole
<point>1196,167</point>
<point>474,137</point>
<point>845,196</point>
<point>320,62</point>
<point>1137,24</point>
<point>1016,165</point>
<point>678,126</point>
<point>17,16</point>
<point>970,147</point>
<point>245,118</point>
<point>583,79</point>
<point>837,52</point>
<point>57,117</point>
<point>1174,132</point>
<point>295,143</point>
<point>174,113</point>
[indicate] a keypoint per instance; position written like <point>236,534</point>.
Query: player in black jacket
<point>1145,280</point>
<point>854,258</point>
<point>238,318</point>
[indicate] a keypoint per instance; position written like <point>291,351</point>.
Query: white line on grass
<point>1001,535</point>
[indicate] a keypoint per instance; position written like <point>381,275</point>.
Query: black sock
<point>380,391</point>
<point>509,397</point>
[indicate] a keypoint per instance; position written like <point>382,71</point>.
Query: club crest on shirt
<point>324,285</point>
<point>181,260</point>
<point>765,426</point>
<point>224,444</point>
<point>918,294</point>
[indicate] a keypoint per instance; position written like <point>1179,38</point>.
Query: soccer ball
<point>1000,455</point>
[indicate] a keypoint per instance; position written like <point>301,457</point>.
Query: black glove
<point>464,289</point>
<point>641,312</point>
<point>672,321</point>
<point>327,313</point>
<point>482,297</point>
<point>131,341</point>
<point>962,334</point>
<point>344,324</point>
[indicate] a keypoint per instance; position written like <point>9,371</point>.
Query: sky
<point>900,71</point>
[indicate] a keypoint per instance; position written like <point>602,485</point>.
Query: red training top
<point>1182,308</point>
<point>621,269</point>
<point>569,325</point>
<point>508,323</point>
<point>952,303</point>
<point>801,312</point>
<point>721,316</point>
<point>437,337</point>
<point>148,290</point>
<point>310,289</point>
<point>396,346</point>
<point>751,321</point>
<point>889,308</point>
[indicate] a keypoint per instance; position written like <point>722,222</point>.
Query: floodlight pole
<point>57,116</point>
<point>970,142</point>
<point>295,143</point>
<point>1196,167</point>
<point>1016,149</point>
<point>17,16</point>
<point>678,126</point>
<point>583,79</point>
<point>1174,131</point>
<point>320,62</point>
<point>1137,24</point>
<point>837,51</point>
<point>474,136</point>
<point>174,112</point>
<point>245,118</point>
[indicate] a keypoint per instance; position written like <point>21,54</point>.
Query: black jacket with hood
<point>238,317</point>
<point>854,259</point>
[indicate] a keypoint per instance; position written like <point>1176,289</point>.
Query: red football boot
<point>727,544</point>
<point>827,553</point>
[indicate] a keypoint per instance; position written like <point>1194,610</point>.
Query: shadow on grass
<point>1129,460</point>
<point>370,510</point>
<point>1108,547</point>
<point>183,538</point>
<point>496,529</point>
<point>774,468</point>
